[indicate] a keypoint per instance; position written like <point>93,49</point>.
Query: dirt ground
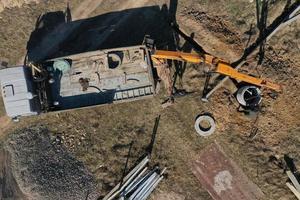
<point>99,137</point>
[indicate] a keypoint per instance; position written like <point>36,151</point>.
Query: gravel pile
<point>45,169</point>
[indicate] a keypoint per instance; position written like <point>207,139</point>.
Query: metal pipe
<point>146,189</point>
<point>152,187</point>
<point>135,182</point>
<point>145,184</point>
<point>294,12</point>
<point>150,190</point>
<point>116,189</point>
<point>143,179</point>
<point>122,187</point>
<point>138,189</point>
<point>127,159</point>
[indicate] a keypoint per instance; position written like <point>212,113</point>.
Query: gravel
<point>45,169</point>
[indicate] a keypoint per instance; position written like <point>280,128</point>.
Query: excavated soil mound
<point>44,169</point>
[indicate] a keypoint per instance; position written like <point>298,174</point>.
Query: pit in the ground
<point>204,125</point>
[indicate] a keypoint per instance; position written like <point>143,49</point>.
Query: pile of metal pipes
<point>138,184</point>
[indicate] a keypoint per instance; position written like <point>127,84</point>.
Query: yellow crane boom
<point>220,66</point>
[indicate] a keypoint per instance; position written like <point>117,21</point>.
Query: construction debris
<point>138,184</point>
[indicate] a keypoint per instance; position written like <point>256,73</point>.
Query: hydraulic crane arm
<point>181,56</point>
<point>225,69</point>
<point>220,66</point>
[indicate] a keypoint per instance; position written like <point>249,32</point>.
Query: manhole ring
<point>205,131</point>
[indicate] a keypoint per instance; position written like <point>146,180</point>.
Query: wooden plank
<point>293,189</point>
<point>293,179</point>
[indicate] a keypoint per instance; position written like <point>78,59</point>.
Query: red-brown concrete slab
<point>223,178</point>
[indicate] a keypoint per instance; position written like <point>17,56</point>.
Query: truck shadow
<point>56,36</point>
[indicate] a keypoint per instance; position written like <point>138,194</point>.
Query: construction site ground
<point>99,137</point>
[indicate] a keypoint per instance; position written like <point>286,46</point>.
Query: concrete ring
<point>114,60</point>
<point>202,130</point>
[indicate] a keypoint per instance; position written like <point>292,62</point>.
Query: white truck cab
<point>17,92</point>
